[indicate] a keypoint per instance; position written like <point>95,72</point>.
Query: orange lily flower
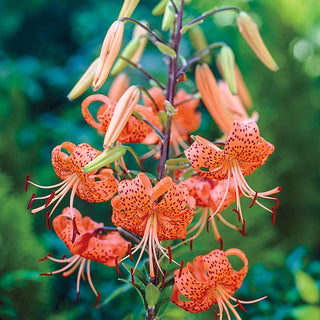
<point>209,196</point>
<point>159,213</point>
<point>185,120</point>
<point>243,153</point>
<point>135,131</point>
<point>90,245</point>
<point>95,186</point>
<point>210,280</point>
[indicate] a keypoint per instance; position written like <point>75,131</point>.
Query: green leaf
<point>152,295</point>
<point>169,108</point>
<point>164,301</point>
<point>306,312</point>
<point>187,174</point>
<point>114,294</point>
<point>137,274</point>
<point>11,279</point>
<point>306,287</point>
<point>149,175</point>
<point>165,49</point>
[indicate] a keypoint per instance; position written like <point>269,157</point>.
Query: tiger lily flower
<point>135,130</point>
<point>90,245</point>
<point>95,186</point>
<point>210,280</point>
<point>209,195</point>
<point>184,121</point>
<point>245,150</point>
<point>156,213</point>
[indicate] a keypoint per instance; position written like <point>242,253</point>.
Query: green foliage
<point>23,293</point>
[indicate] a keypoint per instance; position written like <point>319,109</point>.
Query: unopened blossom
<point>184,121</point>
<point>89,245</point>
<point>68,161</point>
<point>210,280</point>
<point>245,150</point>
<point>157,213</point>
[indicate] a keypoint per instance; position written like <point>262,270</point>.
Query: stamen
<point>170,254</point>
<point>241,306</point>
<point>117,265</point>
<point>191,243</point>
<point>26,183</point>
<point>130,253</point>
<point>48,220</point>
<point>132,277</point>
<point>77,298</point>
<point>181,267</point>
<point>45,258</point>
<point>62,258</point>
<point>243,230</point>
<point>46,274</point>
<point>277,201</point>
<point>253,200</point>
<point>215,314</point>
<point>98,299</point>
<point>31,201</point>
<point>163,279</point>
<point>207,225</point>
<point>273,215</point>
<point>238,214</point>
<point>50,198</point>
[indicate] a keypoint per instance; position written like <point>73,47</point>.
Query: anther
<point>243,230</point>
<point>181,267</point>
<point>221,243</point>
<point>45,258</point>
<point>26,185</point>
<point>241,306</point>
<point>98,299</point>
<point>48,220</point>
<point>238,214</point>
<point>46,274</point>
<point>117,265</point>
<point>253,200</point>
<point>277,201</point>
<point>130,253</point>
<point>273,215</point>
<point>215,314</point>
<point>50,198</point>
<point>170,254</point>
<point>31,201</point>
<point>207,225</point>
<point>191,243</point>
<point>77,298</point>
<point>163,279</point>
<point>132,277</point>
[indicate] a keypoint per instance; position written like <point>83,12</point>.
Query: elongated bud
<point>190,26</point>
<point>242,89</point>
<point>127,8</point>
<point>127,53</point>
<point>109,51</point>
<point>118,87</point>
<point>168,17</point>
<point>105,158</point>
<point>199,42</point>
<point>210,95</point>
<point>140,33</point>
<point>226,62</point>
<point>158,10</point>
<point>250,32</point>
<point>84,82</point>
<point>165,49</point>
<point>121,115</point>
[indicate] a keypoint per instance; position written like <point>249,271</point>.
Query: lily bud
<point>242,89</point>
<point>199,42</point>
<point>121,115</point>
<point>226,63</point>
<point>105,158</point>
<point>140,33</point>
<point>168,17</point>
<point>84,82</point>
<point>250,32</point>
<point>210,95</point>
<point>127,8</point>
<point>109,51</point>
<point>158,10</point>
<point>127,53</point>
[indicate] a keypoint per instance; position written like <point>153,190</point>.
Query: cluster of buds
<point>194,178</point>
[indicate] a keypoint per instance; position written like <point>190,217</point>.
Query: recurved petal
<point>158,96</point>
<point>98,187</point>
<point>245,144</point>
<point>60,160</point>
<point>207,159</point>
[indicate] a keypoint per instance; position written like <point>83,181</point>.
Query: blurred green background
<point>44,48</point>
